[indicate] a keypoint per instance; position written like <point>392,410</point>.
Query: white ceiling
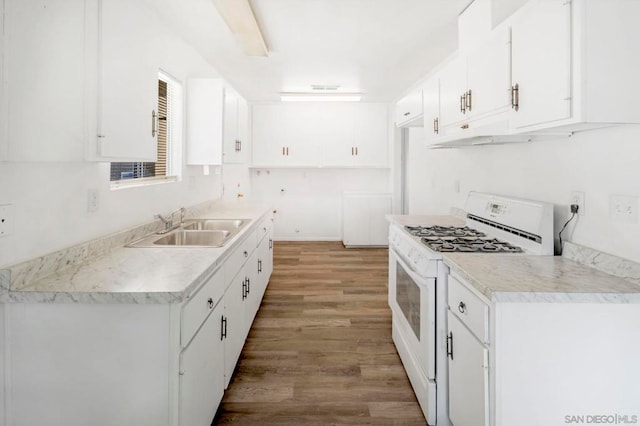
<point>377,47</point>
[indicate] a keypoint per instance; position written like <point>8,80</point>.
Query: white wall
<point>308,202</point>
<point>50,199</point>
<point>599,162</point>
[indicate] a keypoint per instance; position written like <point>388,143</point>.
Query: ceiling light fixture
<point>320,97</point>
<point>240,19</point>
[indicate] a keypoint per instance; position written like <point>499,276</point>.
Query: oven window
<point>408,298</point>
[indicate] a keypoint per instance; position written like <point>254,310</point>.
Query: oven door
<point>412,301</point>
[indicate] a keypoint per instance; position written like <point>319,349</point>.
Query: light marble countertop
<point>527,278</point>
<point>131,275</point>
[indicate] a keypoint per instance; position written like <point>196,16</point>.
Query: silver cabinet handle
<point>515,97</point>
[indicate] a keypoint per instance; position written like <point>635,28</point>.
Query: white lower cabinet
<point>468,376</point>
<point>202,372</point>
<point>541,362</point>
<point>148,364</point>
<point>233,324</point>
<point>363,219</point>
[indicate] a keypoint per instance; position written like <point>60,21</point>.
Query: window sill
<point>133,183</point>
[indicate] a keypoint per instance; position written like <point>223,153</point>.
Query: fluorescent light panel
<point>320,97</point>
<point>243,25</point>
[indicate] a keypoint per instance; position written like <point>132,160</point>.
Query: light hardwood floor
<point>320,349</point>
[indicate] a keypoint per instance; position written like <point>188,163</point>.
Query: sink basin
<point>214,224</point>
<point>181,237</point>
<point>195,233</point>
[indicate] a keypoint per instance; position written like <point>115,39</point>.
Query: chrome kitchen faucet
<point>168,220</point>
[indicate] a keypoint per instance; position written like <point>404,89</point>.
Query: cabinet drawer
<point>468,307</point>
<point>200,304</point>
<point>239,256</point>
<point>264,228</point>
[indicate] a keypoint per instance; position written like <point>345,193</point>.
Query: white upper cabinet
<point>409,110</point>
<point>475,85</point>
<point>236,123</point>
<point>287,135</point>
<point>554,67</point>
<point>371,147</point>
<point>542,64</point>
<point>42,86</point>
<point>431,107</point>
<point>489,76</point>
<point>335,132</point>
<point>128,82</point>
<point>204,121</point>
<point>320,134</point>
<point>453,91</point>
<point>572,67</point>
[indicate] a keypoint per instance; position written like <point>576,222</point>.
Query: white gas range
<point>418,279</point>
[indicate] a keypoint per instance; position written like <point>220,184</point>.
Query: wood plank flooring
<point>320,349</point>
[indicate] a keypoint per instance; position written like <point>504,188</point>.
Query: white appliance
<point>418,281</point>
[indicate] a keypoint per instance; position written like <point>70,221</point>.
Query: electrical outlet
<point>624,208</point>
<point>577,197</point>
<point>6,219</point>
<point>93,200</point>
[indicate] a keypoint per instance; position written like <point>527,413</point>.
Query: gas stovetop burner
<point>443,231</point>
<point>469,245</point>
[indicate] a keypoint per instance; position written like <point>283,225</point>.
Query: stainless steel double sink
<point>195,233</point>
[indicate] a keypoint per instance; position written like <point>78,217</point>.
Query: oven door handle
<point>408,269</point>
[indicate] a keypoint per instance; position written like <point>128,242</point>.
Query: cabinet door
<point>305,132</point>
<point>265,266</point>
<point>355,221</point>
<point>333,128</point>
<point>269,134</point>
<point>204,121</point>
<point>371,135</point>
<point>42,80</point>
<point>128,83</point>
<point>541,54</point>
<point>234,314</point>
<point>431,107</point>
<point>409,108</point>
<point>231,145</point>
<point>251,271</point>
<point>202,373</point>
<point>468,377</point>
<point>453,85</point>
<point>243,131</point>
<point>489,75</point>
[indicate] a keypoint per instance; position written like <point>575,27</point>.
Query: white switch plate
<point>623,208</point>
<point>577,197</point>
<point>6,219</point>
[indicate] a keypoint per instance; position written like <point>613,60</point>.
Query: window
<point>167,166</point>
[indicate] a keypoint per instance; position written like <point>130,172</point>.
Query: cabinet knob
<point>407,114</point>
<point>246,253</point>
<point>462,307</point>
<point>210,303</point>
